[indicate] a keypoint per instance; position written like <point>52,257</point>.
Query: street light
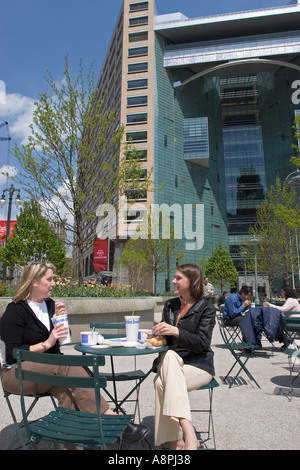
<point>244,255</point>
<point>18,201</point>
<point>293,181</point>
<point>254,241</point>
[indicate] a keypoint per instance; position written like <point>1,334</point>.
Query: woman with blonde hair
<point>27,324</point>
<point>187,325</point>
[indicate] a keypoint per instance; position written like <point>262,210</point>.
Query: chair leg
<point>210,431</point>
<point>243,367</point>
<point>19,426</point>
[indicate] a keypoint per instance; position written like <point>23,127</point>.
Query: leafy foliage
<point>33,239</point>
<point>220,268</point>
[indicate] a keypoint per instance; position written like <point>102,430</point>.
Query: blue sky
<point>35,35</point>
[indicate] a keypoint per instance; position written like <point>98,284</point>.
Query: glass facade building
<point>225,106</point>
<point>210,103</point>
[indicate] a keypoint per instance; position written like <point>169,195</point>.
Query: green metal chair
<point>210,431</point>
<point>65,426</point>
<point>114,377</point>
<point>291,331</point>
<point>20,425</point>
<point>241,351</point>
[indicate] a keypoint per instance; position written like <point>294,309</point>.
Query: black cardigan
<point>20,328</point>
<point>195,332</point>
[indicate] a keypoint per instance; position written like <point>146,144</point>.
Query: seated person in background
<point>291,304</point>
<point>222,298</point>
<point>235,306</point>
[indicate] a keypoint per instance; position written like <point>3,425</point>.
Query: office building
<point>210,104</point>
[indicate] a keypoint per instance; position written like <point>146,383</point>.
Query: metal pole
<point>256,300</point>
<point>9,214</point>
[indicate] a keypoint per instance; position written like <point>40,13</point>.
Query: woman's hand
<point>58,332</point>
<point>164,329</point>
<point>266,304</point>
<point>60,308</point>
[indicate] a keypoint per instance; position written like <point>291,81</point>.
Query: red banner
<point>3,225</point>
<point>100,254</point>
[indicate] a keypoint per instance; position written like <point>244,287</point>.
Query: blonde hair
<point>31,272</point>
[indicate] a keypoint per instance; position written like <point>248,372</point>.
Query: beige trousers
<point>82,399</point>
<point>172,384</point>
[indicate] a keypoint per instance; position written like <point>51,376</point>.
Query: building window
<point>138,36</point>
<point>138,6</point>
<point>137,194</point>
<point>138,83</point>
<point>137,136</point>
<point>137,118</point>
<point>134,215</point>
<point>138,21</point>
<point>138,175</point>
<point>138,154</point>
<point>138,67</point>
<point>196,140</point>
<point>137,51</point>
<point>141,100</point>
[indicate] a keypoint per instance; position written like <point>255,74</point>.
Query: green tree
<point>72,156</point>
<point>159,251</point>
<point>278,219</point>
<point>220,268</point>
<point>135,261</point>
<point>296,129</point>
<point>33,239</point>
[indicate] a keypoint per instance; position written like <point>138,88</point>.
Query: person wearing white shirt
<point>291,304</point>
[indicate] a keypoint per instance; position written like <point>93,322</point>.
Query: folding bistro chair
<point>114,377</point>
<point>291,330</point>
<point>33,399</point>
<point>233,333</point>
<point>65,426</point>
<point>210,431</point>
<point>19,426</point>
<point>241,351</point>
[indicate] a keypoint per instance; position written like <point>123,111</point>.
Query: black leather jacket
<point>195,332</point>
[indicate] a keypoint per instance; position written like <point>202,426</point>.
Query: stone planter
<point>83,311</point>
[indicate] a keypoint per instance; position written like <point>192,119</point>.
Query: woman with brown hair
<point>187,325</point>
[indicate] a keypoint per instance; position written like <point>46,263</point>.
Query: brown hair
<point>31,272</point>
<point>195,276</point>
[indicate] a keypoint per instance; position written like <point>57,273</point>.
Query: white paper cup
<point>89,338</point>
<point>142,336</point>
<point>132,324</point>
<point>58,319</point>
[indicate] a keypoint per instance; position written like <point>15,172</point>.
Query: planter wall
<point>83,311</point>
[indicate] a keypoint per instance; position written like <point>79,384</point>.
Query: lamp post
<point>254,241</point>
<point>244,254</point>
<point>10,192</point>
<point>293,181</point>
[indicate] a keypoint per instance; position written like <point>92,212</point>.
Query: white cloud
<point>7,170</point>
<point>18,111</point>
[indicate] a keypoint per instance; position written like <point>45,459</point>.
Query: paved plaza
<point>245,417</point>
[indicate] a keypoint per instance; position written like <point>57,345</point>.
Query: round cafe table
<point>121,351</point>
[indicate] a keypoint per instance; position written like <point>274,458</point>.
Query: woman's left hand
<point>164,329</point>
